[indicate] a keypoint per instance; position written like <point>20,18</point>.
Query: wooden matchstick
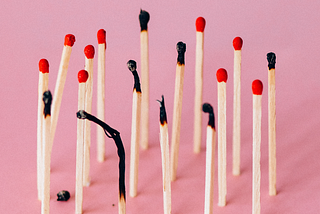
<point>89,54</point>
<point>271,57</point>
<point>177,108</point>
<point>46,153</point>
<point>237,45</point>
<point>115,135</point>
<point>102,45</point>
<point>222,77</point>
<point>200,25</point>
<point>61,79</point>
<point>82,78</point>
<point>135,129</point>
<point>210,155</point>
<point>256,150</point>
<point>144,51</point>
<point>42,87</point>
<point>164,144</point>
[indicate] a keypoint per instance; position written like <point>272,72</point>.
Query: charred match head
<point>47,100</point>
<point>271,57</point>
<point>181,49</point>
<point>144,18</point>
<point>207,108</point>
<point>81,114</point>
<point>163,114</point>
<point>63,195</point>
<point>132,65</point>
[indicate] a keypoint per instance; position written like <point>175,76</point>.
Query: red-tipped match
<point>69,40</point>
<point>44,66</point>
<point>83,76</point>
<point>200,24</point>
<point>89,51</point>
<point>237,43</point>
<point>257,87</point>
<point>222,75</point>
<point>101,36</point>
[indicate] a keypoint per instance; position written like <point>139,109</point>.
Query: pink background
<point>34,30</point>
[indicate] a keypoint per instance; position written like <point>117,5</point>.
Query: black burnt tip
<point>81,114</point>
<point>181,49</point>
<point>144,18</point>
<point>132,66</point>
<point>63,195</point>
<point>47,100</point>
<point>271,57</point>
<point>207,108</point>
<point>163,114</point>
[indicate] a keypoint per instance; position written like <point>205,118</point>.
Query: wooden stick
<point>89,54</point>
<point>177,108</point>
<point>61,79</point>
<point>82,77</point>
<point>272,122</point>
<point>164,144</point>
<point>144,51</point>
<point>135,129</point>
<point>237,45</point>
<point>222,136</point>
<point>256,176</point>
<point>210,155</point>
<point>115,135</point>
<point>42,87</point>
<point>46,153</point>
<point>200,25</point>
<point>101,92</point>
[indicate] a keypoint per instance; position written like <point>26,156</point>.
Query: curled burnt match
<point>181,48</point>
<point>144,18</point>
<point>115,135</point>
<point>47,99</point>
<point>207,108</point>
<point>132,65</point>
<point>163,114</point>
<point>271,57</point>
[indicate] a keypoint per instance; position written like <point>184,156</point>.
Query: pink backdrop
<point>34,30</point>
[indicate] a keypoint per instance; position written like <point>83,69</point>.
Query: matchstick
<point>256,150</point>
<point>135,129</point>
<point>271,57</point>
<point>164,144</point>
<point>102,45</point>
<point>222,77</point>
<point>61,79</point>
<point>46,153</point>
<point>144,51</point>
<point>42,87</point>
<point>237,45</point>
<point>177,108</point>
<point>200,25</point>
<point>82,78</point>
<point>115,135</point>
<point>210,155</point>
<point>89,54</point>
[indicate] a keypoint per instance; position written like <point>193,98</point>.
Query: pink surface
<point>36,29</point>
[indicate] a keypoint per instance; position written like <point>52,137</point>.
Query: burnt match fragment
<point>144,18</point>
<point>271,57</point>
<point>164,144</point>
<point>115,135</point>
<point>210,156</point>
<point>181,48</point>
<point>135,129</point>
<point>63,195</point>
<point>47,100</point>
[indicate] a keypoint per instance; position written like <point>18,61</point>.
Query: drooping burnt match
<point>207,108</point>
<point>132,66</point>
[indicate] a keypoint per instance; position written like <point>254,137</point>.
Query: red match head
<point>89,51</point>
<point>101,36</point>
<point>69,40</point>
<point>257,87</point>
<point>237,43</point>
<point>44,66</point>
<point>200,24</point>
<point>222,75</point>
<point>83,76</point>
